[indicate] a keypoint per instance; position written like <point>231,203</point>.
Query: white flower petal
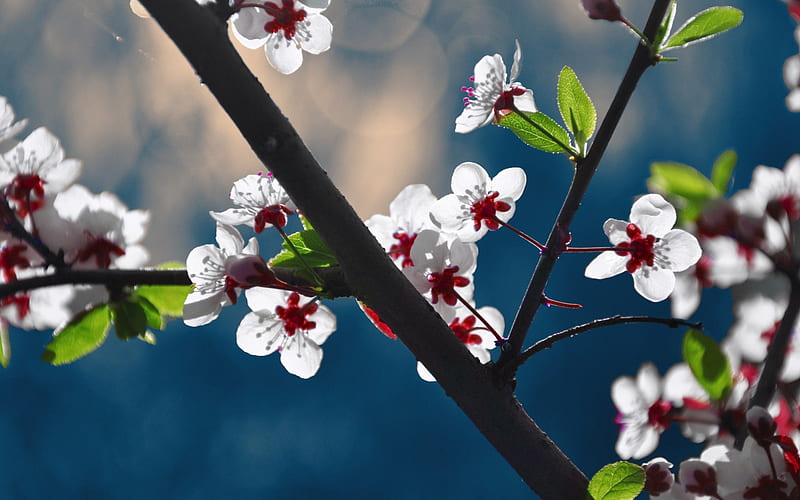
<point>320,33</point>
<point>653,215</point>
<point>248,27</point>
<point>301,356</point>
<point>606,265</point>
<point>259,333</point>
<point>470,179</point>
<point>677,250</point>
<point>510,183</point>
<point>616,230</point>
<point>654,284</point>
<point>286,56</point>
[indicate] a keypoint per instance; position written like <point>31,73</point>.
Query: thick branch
<point>203,39</point>
<point>584,171</point>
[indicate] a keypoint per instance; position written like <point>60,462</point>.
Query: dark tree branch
<point>374,279</point>
<point>584,171</point>
<point>547,342</point>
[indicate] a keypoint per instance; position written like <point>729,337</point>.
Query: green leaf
<point>666,27</point>
<point>5,345</point>
<point>677,179</point>
<point>167,299</point>
<point>310,246</point>
<point>576,107</point>
<point>705,25</point>
<point>617,481</point>
<point>129,318</point>
<point>83,334</point>
<point>148,337</point>
<point>722,170</point>
<point>305,222</point>
<point>533,136</point>
<point>708,363</point>
<point>152,315</point>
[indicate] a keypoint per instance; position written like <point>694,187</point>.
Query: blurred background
<point>195,417</point>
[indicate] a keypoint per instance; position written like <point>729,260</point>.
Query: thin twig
<point>547,342</point>
<point>584,171</point>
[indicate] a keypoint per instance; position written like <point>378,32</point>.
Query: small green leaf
<point>83,334</point>
<point>708,363</point>
<point>617,481</point>
<point>5,345</point>
<point>576,107</point>
<point>722,170</point>
<point>305,222</point>
<point>533,136</point>
<point>705,25</point>
<point>129,318</point>
<point>666,27</point>
<point>677,179</point>
<point>151,314</point>
<point>148,337</point>
<point>167,299</point>
<point>310,246</point>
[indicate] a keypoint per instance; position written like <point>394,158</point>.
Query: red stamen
<point>294,317</point>
<point>484,211</point>
<point>274,215</point>
<point>640,249</point>
<point>444,284</point>
<point>402,249</point>
<point>285,18</point>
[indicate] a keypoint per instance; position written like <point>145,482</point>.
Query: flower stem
<point>638,33</point>
<point>522,235</point>
<point>478,315</point>
<point>558,303</point>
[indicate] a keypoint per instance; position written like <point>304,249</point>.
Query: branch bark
<point>491,405</point>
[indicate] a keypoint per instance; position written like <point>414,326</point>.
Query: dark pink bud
<point>761,426</point>
<point>248,271</point>
<point>602,9</point>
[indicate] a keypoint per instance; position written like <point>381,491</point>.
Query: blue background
<point>194,417</point>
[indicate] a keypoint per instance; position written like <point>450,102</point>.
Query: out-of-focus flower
<point>643,415</point>
<point>649,249</point>
<point>602,9</point>
<point>492,95</point>
<point>285,29</point>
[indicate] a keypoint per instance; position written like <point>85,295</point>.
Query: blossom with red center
<point>36,168</point>
<point>478,202</point>
<point>261,203</point>
<point>492,96</point>
<point>409,213</point>
<point>285,29</point>
<point>648,248</point>
<point>643,415</point>
<point>443,267</point>
<point>471,331</point>
<point>287,322</point>
<point>218,275</point>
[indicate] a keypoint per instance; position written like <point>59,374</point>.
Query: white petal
<point>234,217</point>
<point>424,374</point>
<point>320,33</point>
<point>259,333</point>
<point>470,179</point>
<point>510,183</point>
<point>326,324</point>
<point>283,55</point>
<point>314,6</point>
<point>606,265</point>
<point>516,66</point>
<point>200,309</point>
<point>653,215</point>
<point>451,215</point>
<point>411,208</point>
<point>649,383</point>
<point>626,396</point>
<point>616,230</point>
<point>382,228</point>
<point>196,263</point>
<point>465,256</point>
<point>677,250</point>
<point>301,356</point>
<point>654,284</point>
<point>248,27</point>
<point>265,299</point>
<point>525,102</point>
<point>229,239</point>
<point>473,116</point>
<point>685,298</point>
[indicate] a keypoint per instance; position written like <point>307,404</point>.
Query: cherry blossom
<point>287,322</point>
<point>478,203</point>
<point>285,28</point>
<point>409,213</point>
<point>262,200</point>
<point>8,129</point>
<point>658,478</point>
<point>95,231</point>
<point>36,168</point>
<point>648,249</point>
<point>492,96</point>
<point>208,268</point>
<point>442,268</point>
<point>471,331</point>
<point>643,415</point>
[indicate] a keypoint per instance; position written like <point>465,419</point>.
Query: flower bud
<point>658,478</point>
<point>602,9</point>
<point>761,426</point>
<point>248,271</point>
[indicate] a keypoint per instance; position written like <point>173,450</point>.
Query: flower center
<point>11,257</point>
<point>101,249</point>
<point>444,284</point>
<point>402,249</point>
<point>463,330</point>
<point>285,18</point>
<point>640,249</point>
<point>658,414</point>
<point>273,214</point>
<point>484,211</point>
<point>27,191</point>
<point>505,103</point>
<point>294,317</point>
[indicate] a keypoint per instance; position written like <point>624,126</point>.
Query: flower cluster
<point>49,222</point>
<point>281,319</point>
